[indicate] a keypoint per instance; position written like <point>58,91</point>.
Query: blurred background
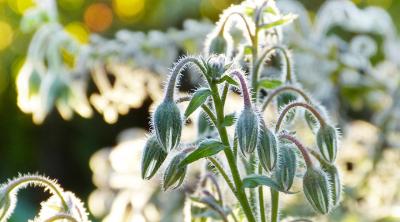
<point>63,149</point>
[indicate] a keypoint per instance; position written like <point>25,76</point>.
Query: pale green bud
<point>335,186</point>
<point>153,157</point>
<point>247,128</point>
<point>175,173</point>
<point>316,190</point>
<point>285,170</point>
<point>327,142</point>
<point>167,123</point>
<point>267,148</point>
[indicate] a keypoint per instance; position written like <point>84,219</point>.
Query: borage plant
<point>268,156</point>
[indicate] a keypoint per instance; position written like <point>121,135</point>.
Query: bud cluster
<point>269,156</point>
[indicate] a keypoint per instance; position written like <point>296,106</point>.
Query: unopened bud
<point>327,142</point>
<point>334,183</point>
<point>247,128</point>
<point>175,173</point>
<point>167,123</point>
<point>267,148</point>
<point>286,167</point>
<point>153,157</point>
<point>220,43</point>
<point>316,190</point>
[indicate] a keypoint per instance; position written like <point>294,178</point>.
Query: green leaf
<point>228,79</point>
<point>282,21</point>
<point>199,97</point>
<point>208,147</point>
<point>254,180</point>
<point>269,83</point>
<point>229,120</point>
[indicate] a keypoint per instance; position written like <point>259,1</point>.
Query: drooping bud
<point>334,182</point>
<point>267,148</point>
<point>316,190</point>
<point>167,124</point>
<point>285,170</point>
<point>284,99</point>
<point>247,128</point>
<point>219,43</point>
<point>327,142</point>
<point>153,157</point>
<point>175,173</point>
<point>311,121</point>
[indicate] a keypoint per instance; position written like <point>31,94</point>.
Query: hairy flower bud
<point>327,142</point>
<point>284,99</point>
<point>267,148</point>
<point>247,127</point>
<point>286,166</point>
<point>220,43</point>
<point>334,183</point>
<point>174,174</point>
<point>167,124</point>
<point>153,157</point>
<point>316,190</point>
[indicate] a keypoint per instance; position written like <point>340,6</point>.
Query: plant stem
<point>274,205</point>
<point>300,146</point>
<point>221,170</point>
<point>301,104</point>
<point>240,192</point>
<point>261,198</point>
<point>282,89</point>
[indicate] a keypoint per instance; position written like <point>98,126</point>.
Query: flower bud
<point>316,190</point>
<point>217,65</point>
<point>167,124</point>
<point>284,99</point>
<point>247,128</point>
<point>174,174</point>
<point>220,43</point>
<point>153,157</point>
<point>311,121</point>
<point>267,148</point>
<point>334,183</point>
<point>327,142</point>
<point>286,167</point>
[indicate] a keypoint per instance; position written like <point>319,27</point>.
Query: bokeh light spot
<point>6,35</point>
<point>98,17</point>
<point>78,31</point>
<point>128,9</point>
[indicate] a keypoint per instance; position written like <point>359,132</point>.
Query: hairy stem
<point>303,150</point>
<point>301,104</point>
<point>274,205</point>
<point>288,77</point>
<point>240,192</point>
<point>245,91</point>
<point>169,92</point>
<point>281,89</point>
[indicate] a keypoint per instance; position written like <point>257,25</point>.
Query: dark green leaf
<point>269,83</point>
<point>206,148</point>
<point>198,98</point>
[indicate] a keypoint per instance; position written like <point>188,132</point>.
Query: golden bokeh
<point>6,36</point>
<point>78,31</point>
<point>20,6</point>
<point>128,9</point>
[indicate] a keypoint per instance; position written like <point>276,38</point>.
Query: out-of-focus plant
<point>254,154</point>
<point>125,70</point>
<point>61,205</point>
